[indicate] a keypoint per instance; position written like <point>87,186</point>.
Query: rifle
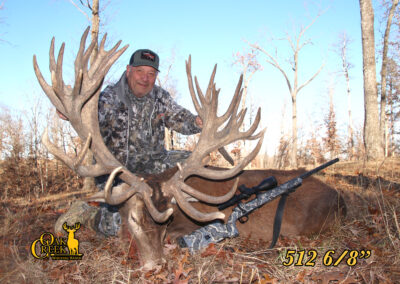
<point>245,192</point>
<point>218,231</point>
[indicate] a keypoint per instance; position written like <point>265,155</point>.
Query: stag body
<point>147,205</point>
<point>311,209</point>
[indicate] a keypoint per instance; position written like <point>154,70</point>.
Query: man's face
<point>141,79</point>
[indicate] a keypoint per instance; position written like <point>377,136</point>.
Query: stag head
<point>140,203</point>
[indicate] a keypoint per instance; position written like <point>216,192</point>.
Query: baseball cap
<point>144,57</point>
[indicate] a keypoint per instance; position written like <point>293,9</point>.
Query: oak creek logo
<point>58,248</point>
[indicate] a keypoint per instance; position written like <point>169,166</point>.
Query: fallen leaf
<point>180,273</point>
<point>334,276</point>
<point>210,250</point>
<point>300,276</point>
<point>267,279</point>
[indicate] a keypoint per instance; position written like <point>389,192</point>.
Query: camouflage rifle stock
<point>218,231</point>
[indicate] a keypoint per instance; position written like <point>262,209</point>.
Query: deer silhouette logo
<point>72,243</point>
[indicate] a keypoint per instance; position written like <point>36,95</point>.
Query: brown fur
<point>311,209</point>
<point>148,234</point>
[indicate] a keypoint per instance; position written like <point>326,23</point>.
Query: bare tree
<point>342,49</point>
<point>296,44</point>
<point>34,117</point>
<point>314,148</point>
<point>393,104</point>
<point>247,60</point>
<point>383,118</point>
<point>281,158</point>
<point>167,83</point>
<point>331,139</point>
<point>12,136</point>
<point>372,138</point>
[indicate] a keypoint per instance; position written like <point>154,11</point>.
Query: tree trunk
<point>293,150</point>
<point>294,87</point>
<point>372,138</point>
<point>95,27</point>
<point>383,120</point>
<point>345,67</point>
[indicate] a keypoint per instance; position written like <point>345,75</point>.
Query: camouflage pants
<point>108,218</point>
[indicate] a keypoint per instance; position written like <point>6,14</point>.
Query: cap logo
<point>148,56</point>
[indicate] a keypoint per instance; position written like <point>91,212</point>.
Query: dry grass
<point>371,191</point>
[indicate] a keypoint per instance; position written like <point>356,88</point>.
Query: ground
<point>368,239</point>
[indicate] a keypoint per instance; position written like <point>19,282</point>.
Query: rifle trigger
<point>244,219</point>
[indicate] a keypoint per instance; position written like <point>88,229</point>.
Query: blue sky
<point>211,31</point>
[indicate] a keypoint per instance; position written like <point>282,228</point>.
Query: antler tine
<point>218,175</point>
<point>86,55</point>
<point>231,131</point>
<point>84,151</point>
<point>193,212</point>
<point>59,68</point>
<point>52,60</point>
<point>214,101</point>
<point>88,171</point>
<point>254,126</point>
<point>200,93</point>
<point>81,50</point>
<point>77,66</point>
<point>207,198</point>
<point>191,88</point>
<point>114,56</point>
<point>94,65</point>
<point>234,105</point>
<point>211,85</point>
<point>47,88</point>
<point>54,66</point>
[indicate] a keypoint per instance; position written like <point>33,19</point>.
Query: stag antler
<point>79,105</point>
<point>212,138</point>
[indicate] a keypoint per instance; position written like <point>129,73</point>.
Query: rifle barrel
<point>317,169</point>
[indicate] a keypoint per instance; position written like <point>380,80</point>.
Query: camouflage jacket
<point>133,128</point>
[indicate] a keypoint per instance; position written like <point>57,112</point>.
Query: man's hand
<point>60,115</point>
<point>199,122</point>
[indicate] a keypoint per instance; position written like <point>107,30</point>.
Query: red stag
<point>147,201</point>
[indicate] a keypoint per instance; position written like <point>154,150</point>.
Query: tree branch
<point>312,78</point>
<point>273,61</point>
<point>79,9</point>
